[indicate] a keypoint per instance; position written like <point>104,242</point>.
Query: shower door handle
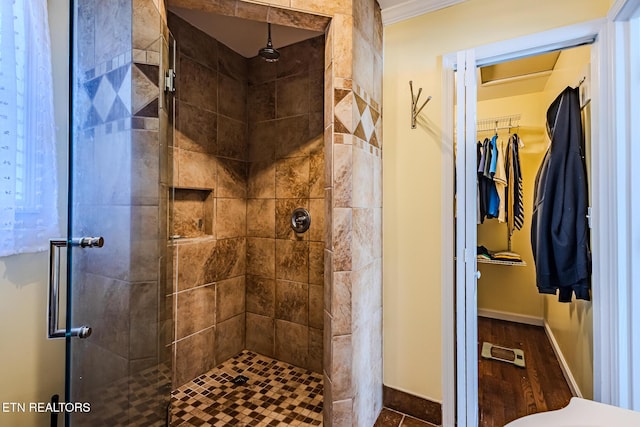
<point>55,245</point>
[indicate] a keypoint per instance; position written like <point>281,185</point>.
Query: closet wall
<point>572,324</point>
<point>512,289</point>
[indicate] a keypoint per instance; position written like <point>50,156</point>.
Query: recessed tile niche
<point>192,212</point>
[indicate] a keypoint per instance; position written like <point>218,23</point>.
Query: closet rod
<point>498,128</point>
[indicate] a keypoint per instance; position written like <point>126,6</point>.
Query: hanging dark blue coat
<point>559,229</point>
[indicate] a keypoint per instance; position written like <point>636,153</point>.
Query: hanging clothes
<point>500,182</point>
<point>515,213</point>
<point>500,179</point>
<point>559,229</point>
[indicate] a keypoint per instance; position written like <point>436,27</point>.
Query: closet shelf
<point>499,262</point>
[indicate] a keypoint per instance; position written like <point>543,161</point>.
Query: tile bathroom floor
<point>276,394</point>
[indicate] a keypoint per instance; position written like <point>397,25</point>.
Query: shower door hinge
<point>170,81</point>
<point>589,217</point>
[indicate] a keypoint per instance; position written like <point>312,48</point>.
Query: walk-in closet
<point>534,352</point>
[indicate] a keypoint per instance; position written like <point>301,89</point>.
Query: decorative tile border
<point>354,114</point>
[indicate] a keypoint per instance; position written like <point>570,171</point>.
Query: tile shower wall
<point>346,75</point>
<point>254,160</point>
<point>366,268</point>
<point>285,270</point>
<point>210,184</point>
<point>117,185</point>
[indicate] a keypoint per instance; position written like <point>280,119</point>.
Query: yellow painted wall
<point>32,367</point>
<point>571,324</point>
<point>412,169</point>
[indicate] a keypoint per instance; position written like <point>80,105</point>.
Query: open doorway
<point>471,113</point>
<point>534,352</point>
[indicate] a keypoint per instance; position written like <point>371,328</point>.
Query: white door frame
<point>605,248</point>
<point>618,377</point>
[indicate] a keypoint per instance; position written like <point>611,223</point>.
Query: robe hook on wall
<point>414,104</point>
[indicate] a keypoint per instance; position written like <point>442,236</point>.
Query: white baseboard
<point>573,385</point>
<point>511,317</point>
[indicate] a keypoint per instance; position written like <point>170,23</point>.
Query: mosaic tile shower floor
<point>276,394</point>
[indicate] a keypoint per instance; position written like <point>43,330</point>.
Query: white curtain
<point>28,188</point>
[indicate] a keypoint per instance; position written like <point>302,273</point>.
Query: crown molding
<point>412,8</point>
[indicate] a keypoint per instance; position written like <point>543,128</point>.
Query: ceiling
<point>516,77</point>
<point>242,35</point>
<point>247,37</point>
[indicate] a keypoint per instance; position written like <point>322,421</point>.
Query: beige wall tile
<point>291,18</point>
<point>261,214</point>
<point>232,178</point>
<point>261,259</point>
<point>263,105</point>
<point>191,261</point>
<point>252,11</point>
<point>341,367</point>
<point>292,95</point>
<point>362,246</point>
<point>341,303</point>
<point>292,260</point>
<point>316,310</point>
<point>342,176</point>
<point>342,239</point>
<point>229,338</point>
<point>196,310</point>
<point>292,178</point>
<point>223,7</point>
<point>261,295</point>
<point>193,357</point>
<point>315,350</point>
<point>227,260</point>
<point>317,212</point>
<point>231,215</point>
<point>326,8</point>
<point>292,343</point>
<point>316,263</point>
<point>342,413</point>
<point>293,136</point>
<point>342,45</point>
<point>262,141</point>
<point>328,281</point>
<point>363,64</point>
<point>292,302</point>
<point>196,129</point>
<point>232,95</point>
<point>232,138</point>
<point>260,334</point>
<point>316,169</point>
<point>147,24</point>
<point>196,170</point>
<point>262,179</point>
<point>198,85</point>
<point>230,298</point>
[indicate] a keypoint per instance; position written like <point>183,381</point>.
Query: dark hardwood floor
<point>507,392</point>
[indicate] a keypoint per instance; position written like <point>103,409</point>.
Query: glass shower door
<point>118,364</point>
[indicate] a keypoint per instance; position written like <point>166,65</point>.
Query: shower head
<point>269,53</point>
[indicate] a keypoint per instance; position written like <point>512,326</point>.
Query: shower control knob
<point>300,220</point>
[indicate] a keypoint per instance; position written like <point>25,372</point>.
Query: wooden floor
<point>507,392</point>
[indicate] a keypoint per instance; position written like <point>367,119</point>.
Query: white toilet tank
<point>581,413</point>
